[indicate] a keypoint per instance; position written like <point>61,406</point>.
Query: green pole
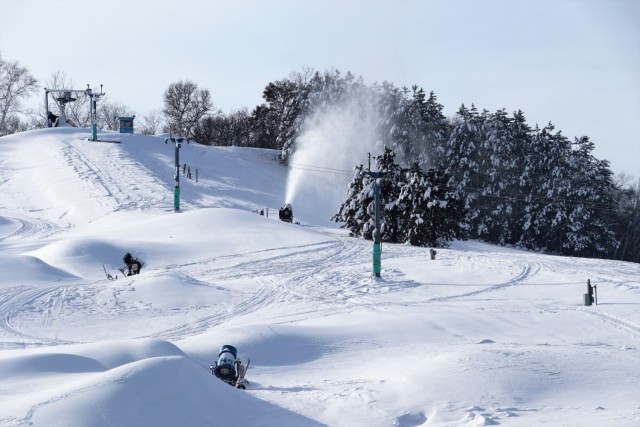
<point>377,247</point>
<point>376,259</point>
<point>94,118</point>
<point>176,199</point>
<point>176,180</point>
<point>376,240</point>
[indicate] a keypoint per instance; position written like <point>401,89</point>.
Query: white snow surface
<point>482,335</point>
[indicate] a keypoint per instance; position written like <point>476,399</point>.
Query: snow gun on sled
<point>229,368</point>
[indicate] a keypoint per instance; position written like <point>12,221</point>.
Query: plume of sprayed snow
<point>333,141</point>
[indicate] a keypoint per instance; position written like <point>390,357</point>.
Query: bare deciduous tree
<point>108,113</point>
<point>16,84</point>
<point>185,105</point>
<point>151,123</point>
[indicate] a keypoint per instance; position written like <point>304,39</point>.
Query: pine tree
<point>392,217</point>
<point>462,158</point>
<point>433,216</point>
<point>546,211</point>
<point>497,168</point>
<point>355,210</point>
<point>522,178</point>
<point>436,130</point>
<point>589,223</point>
<point>416,207</point>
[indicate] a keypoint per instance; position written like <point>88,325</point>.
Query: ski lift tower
<point>176,171</point>
<point>94,111</point>
<point>377,246</point>
<point>66,96</point>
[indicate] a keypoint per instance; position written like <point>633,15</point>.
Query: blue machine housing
<point>225,367</point>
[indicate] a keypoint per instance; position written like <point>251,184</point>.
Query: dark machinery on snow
<point>229,368</point>
<point>133,265</point>
<point>286,213</point>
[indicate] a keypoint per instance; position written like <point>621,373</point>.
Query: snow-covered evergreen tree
<point>498,175</point>
<point>415,206</point>
<point>462,158</point>
<point>547,207</point>
<point>418,128</point>
<point>392,218</point>
<point>355,210</point>
<point>433,215</point>
<point>589,229</point>
<point>522,174</point>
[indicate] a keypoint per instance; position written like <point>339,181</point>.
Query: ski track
<point>615,321</point>
<point>104,170</point>
<point>342,261</point>
<point>30,228</point>
<point>17,301</point>
<point>269,270</point>
<point>529,269</point>
<point>275,281</point>
<point>265,294</point>
<point>106,173</point>
<point>391,282</point>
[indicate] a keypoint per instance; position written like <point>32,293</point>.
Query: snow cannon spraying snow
<point>229,368</point>
<point>286,213</point>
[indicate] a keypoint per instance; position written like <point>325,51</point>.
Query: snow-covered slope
<point>481,335</point>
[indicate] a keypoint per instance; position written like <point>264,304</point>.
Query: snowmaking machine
<point>132,265</point>
<point>286,213</point>
<point>229,368</point>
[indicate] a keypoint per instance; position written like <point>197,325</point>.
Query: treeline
<point>478,175</point>
<point>502,180</point>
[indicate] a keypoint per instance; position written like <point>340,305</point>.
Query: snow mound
<point>81,257</point>
<point>172,291</point>
<point>130,383</point>
<point>8,226</point>
<point>26,269</point>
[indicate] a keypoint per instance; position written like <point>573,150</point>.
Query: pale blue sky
<point>575,63</point>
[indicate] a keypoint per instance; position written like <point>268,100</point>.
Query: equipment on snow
<point>286,213</point>
<point>589,297</point>
<point>110,277</point>
<point>176,174</point>
<point>229,368</point>
<point>133,265</point>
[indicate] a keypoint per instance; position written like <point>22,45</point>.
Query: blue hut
<point>126,124</point>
